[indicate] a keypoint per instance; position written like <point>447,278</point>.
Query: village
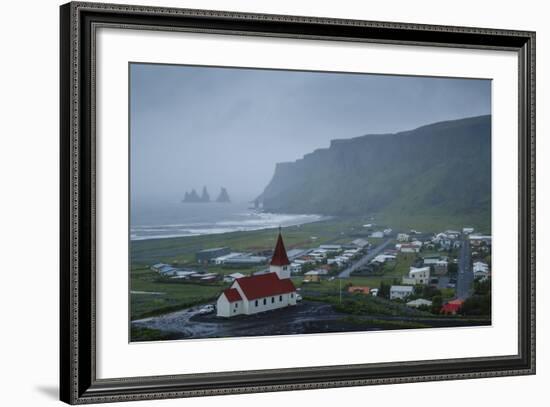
<point>378,278</point>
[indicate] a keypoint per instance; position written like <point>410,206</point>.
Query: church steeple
<point>279,262</point>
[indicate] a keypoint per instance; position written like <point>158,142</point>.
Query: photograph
<point>267,202</point>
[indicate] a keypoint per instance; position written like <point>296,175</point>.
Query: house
<point>209,278</point>
<point>315,275</point>
<point>312,276</point>
<point>341,260</point>
<point>452,307</point>
<point>419,303</point>
<point>167,270</point>
<point>358,289</point>
<point>408,248</point>
<point>452,234</point>
<point>222,259</point>
<point>157,267</point>
<point>480,266</point>
<point>402,237</point>
<point>204,256</point>
<point>262,292</point>
<point>467,230</point>
<point>330,247</point>
<point>418,276</point>
<point>295,267</point>
<point>387,232</point>
<point>377,235</point>
<point>382,258</point>
<point>360,243</point>
<point>400,291</point>
<point>183,274</point>
<point>245,260</point>
<point>481,270</point>
<point>430,261</point>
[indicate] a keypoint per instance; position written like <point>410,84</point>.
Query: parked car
<point>298,297</point>
<point>207,309</point>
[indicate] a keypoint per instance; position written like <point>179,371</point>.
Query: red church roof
<point>265,285</point>
<point>279,255</point>
<point>232,294</point>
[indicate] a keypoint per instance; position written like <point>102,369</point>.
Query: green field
<point>166,295</point>
<point>182,250</point>
<point>154,295</point>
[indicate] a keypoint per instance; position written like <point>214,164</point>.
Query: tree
<point>482,287</point>
<point>437,303</point>
<point>477,305</point>
<point>452,268</point>
<point>384,290</point>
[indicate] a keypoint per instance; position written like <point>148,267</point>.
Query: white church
<point>263,292</point>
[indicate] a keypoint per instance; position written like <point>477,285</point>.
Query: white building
<point>452,234</point>
<point>480,266</point>
<point>263,292</point>
<point>416,243</point>
<point>295,267</point>
<point>330,247</point>
<point>467,230</point>
<point>419,302</point>
<point>400,291</point>
<point>222,259</point>
<point>382,258</point>
<point>377,235</point>
<point>481,270</point>
<point>419,275</point>
<point>407,248</point>
<point>360,243</point>
<point>402,237</point>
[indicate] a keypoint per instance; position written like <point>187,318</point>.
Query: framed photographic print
<point>257,203</point>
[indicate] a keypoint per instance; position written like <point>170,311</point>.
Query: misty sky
<point>195,126</point>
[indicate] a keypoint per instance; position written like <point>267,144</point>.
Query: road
<point>465,273</point>
<point>364,260</point>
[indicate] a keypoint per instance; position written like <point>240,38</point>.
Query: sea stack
<point>223,196</point>
<point>205,197</point>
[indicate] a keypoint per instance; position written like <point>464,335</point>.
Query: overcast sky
<point>195,126</point>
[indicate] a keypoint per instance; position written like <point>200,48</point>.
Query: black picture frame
<point>78,382</point>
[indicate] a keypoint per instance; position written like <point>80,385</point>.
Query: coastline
<point>242,221</point>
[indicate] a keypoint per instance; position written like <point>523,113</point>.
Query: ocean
<point>165,220</point>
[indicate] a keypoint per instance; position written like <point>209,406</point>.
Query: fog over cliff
<point>194,126</point>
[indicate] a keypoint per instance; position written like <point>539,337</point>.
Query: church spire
<point>280,257</point>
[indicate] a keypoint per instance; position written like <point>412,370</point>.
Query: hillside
<point>442,169</point>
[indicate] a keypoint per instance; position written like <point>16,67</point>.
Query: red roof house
<point>452,307</point>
